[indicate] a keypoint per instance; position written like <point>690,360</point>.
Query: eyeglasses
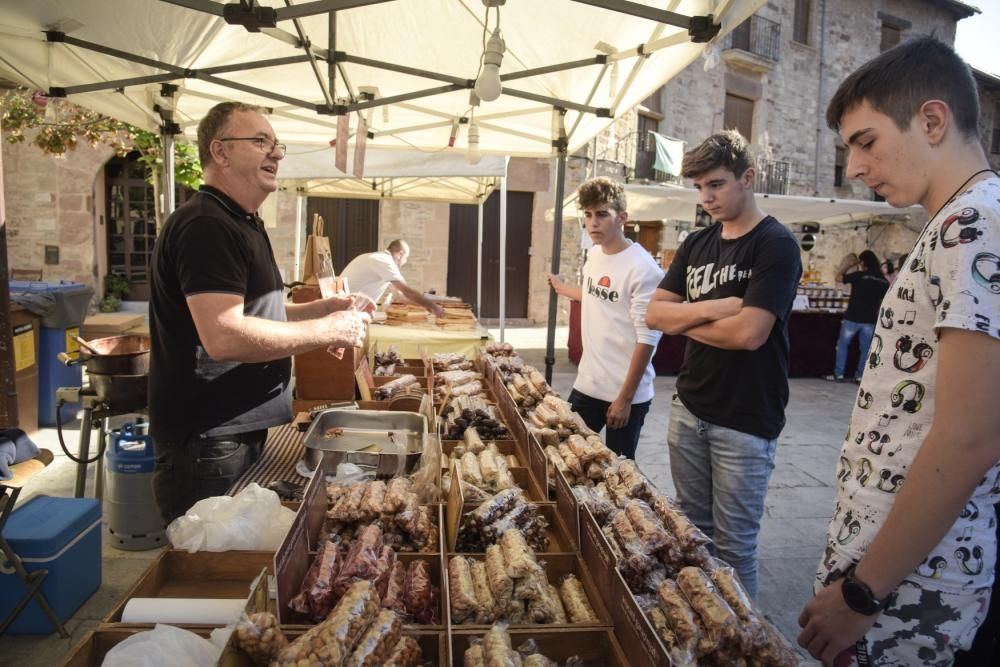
<point>266,146</point>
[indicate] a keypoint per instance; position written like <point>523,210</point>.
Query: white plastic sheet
<point>252,520</point>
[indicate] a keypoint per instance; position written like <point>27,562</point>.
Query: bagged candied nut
<point>361,561</point>
<point>330,643</point>
<point>531,587</point>
<point>538,660</point>
<point>470,469</point>
<point>393,598</point>
<point>489,468</point>
<point>572,460</point>
<point>497,649</point>
<point>598,505</point>
<point>473,656</point>
<point>575,602</point>
<point>473,441</point>
<point>493,508</point>
<point>681,618</point>
<point>659,622</point>
<point>555,603</point>
<point>377,642</point>
<point>688,535</point>
<point>776,651</point>
<point>420,595</point>
<point>634,481</point>
<point>396,491</point>
<point>406,653</point>
<point>486,611</point>
<point>260,637</point>
<point>373,501</point>
<point>718,618</point>
<point>496,570</point>
<point>654,537</point>
<point>383,568</point>
<point>464,605</point>
<point>518,556</point>
<point>627,536</point>
<point>315,597</point>
<point>728,585</point>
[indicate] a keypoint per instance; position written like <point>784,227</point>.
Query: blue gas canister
<point>133,518</point>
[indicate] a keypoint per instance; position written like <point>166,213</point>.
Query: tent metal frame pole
<point>503,249</point>
<point>550,338</point>
<point>331,69</point>
<point>313,63</point>
<point>169,191</point>
<point>600,112</point>
<point>300,223</point>
<point>479,262</point>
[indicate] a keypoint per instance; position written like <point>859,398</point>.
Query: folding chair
<point>9,491</point>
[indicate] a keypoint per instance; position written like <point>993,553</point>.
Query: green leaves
<point>70,124</point>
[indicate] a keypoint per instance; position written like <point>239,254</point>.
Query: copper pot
<point>116,355</point>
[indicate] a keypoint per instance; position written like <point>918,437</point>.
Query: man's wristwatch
<point>859,597</point>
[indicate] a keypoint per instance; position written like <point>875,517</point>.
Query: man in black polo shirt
<point>222,335</point>
<point>729,289</point>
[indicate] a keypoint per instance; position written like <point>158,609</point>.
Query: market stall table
<point>410,339</point>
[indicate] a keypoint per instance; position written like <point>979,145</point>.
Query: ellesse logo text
<point>602,290</point>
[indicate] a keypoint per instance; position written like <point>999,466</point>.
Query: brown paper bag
<point>318,258</point>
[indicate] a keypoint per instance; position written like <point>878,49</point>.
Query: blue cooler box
<point>63,536</point>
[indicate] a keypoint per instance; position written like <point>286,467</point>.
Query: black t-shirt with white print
<point>745,390</point>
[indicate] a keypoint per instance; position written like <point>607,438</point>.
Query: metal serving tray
<point>367,438</point>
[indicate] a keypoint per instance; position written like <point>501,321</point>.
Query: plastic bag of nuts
<point>260,637</point>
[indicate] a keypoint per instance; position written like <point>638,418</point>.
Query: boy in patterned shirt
<point>911,548</point>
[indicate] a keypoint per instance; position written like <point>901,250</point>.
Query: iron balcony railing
<point>756,35</point>
<point>772,177</point>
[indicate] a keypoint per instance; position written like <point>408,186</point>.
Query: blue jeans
<point>594,411</point>
<point>721,478</point>
<point>849,330</point>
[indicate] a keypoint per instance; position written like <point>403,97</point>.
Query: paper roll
<point>183,611</point>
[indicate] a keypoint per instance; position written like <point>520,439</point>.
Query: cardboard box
<point>320,375</point>
<point>103,325</point>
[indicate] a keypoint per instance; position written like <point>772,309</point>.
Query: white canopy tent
<point>673,202</point>
<point>569,67</point>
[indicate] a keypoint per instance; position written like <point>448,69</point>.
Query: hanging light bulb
<point>385,114</point>
<point>488,86</point>
<point>472,154</point>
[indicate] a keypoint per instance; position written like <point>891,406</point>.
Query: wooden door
<point>463,240</point>
<point>739,115</point>
<point>131,216</point>
<point>351,226</point>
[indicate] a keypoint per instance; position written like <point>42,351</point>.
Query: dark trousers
<point>985,649</point>
<point>201,468</point>
<point>622,441</point>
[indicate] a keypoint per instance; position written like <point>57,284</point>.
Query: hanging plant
<point>63,129</point>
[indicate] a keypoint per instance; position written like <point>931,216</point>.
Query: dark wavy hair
<point>899,81</point>
<point>727,149</point>
<point>869,260</point>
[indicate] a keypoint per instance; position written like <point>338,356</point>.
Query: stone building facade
<point>61,201</point>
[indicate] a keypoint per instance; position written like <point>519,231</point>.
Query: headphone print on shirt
<point>921,352</point>
<point>967,216</point>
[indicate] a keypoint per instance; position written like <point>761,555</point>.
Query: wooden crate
<point>205,574</point>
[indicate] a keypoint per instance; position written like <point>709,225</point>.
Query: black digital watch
<point>859,597</point>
